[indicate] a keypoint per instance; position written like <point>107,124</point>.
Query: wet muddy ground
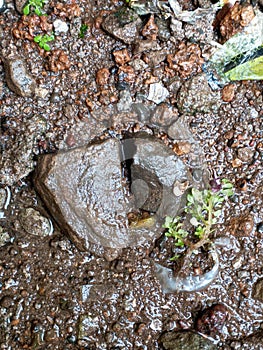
<point>123,74</point>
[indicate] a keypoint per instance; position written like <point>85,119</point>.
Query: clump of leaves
<point>35,6</point>
<point>203,209</point>
<point>42,41</point>
<point>83,30</point>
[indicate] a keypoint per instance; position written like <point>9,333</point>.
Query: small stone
<point>164,115</point>
<point>156,325</point>
<point>258,290</point>
<point>245,154</point>
<point>60,26</point>
<point>6,301</point>
<point>58,60</point>
<point>246,225</point>
<point>4,237</point>
<point>17,77</point>
<point>228,93</point>
<point>150,30</point>
<point>41,92</point>
<point>195,95</point>
<point>123,25</point>
<point>121,57</point>
<point>35,224</point>
<point>182,147</point>
<point>126,73</point>
<point>102,76</point>
<point>236,163</point>
<point>238,17</point>
<point>125,101</point>
<point>157,93</point>
<point>212,319</point>
<point>187,60</point>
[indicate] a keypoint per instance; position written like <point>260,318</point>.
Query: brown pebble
<point>150,30</point>
<point>246,225</point>
<point>236,163</point>
<point>6,301</point>
<point>102,76</point>
<point>121,57</point>
<point>70,140</point>
<point>228,93</point>
<point>245,154</point>
<point>182,147</point>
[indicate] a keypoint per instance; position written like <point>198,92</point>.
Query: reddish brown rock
<point>228,93</point>
<point>102,76</point>
<point>238,17</point>
<point>58,61</point>
<point>121,57</point>
<point>150,30</point>
<point>187,60</point>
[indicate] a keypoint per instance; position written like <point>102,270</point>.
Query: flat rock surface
<point>86,192</point>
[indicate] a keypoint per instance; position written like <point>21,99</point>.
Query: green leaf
<point>251,70</point>
<point>46,47</point>
<point>37,38</point>
<point>26,10</point>
<point>38,11</point>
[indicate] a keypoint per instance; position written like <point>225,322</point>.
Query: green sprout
<point>203,209</point>
<point>35,6</point>
<point>42,41</point>
<point>83,30</point>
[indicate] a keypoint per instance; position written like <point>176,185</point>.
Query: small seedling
<point>83,30</point>
<point>203,209</point>
<point>42,41</point>
<point>35,6</point>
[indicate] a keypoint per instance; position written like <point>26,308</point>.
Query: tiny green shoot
<point>42,41</point>
<point>36,6</point>
<point>203,209</point>
<point>83,30</point>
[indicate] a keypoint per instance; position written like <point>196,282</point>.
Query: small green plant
<point>203,209</point>
<point>35,6</point>
<point>83,30</point>
<point>42,41</point>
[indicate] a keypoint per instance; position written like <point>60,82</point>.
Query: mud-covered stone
<point>196,96</point>
<point>17,77</point>
<point>258,290</point>
<point>124,25</point>
<point>186,340</point>
<point>88,195</point>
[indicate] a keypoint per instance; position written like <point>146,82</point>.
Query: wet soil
<point>54,296</point>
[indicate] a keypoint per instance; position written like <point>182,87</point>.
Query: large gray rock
<point>17,77</point>
<point>186,340</point>
<point>88,195</point>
